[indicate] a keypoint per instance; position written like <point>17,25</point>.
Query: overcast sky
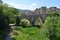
<point>32,4</point>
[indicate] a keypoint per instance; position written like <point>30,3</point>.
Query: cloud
<point>22,6</point>
<point>33,4</point>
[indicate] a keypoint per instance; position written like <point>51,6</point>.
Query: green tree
<point>3,21</point>
<point>49,28</point>
<point>11,12</point>
<point>7,14</point>
<point>58,29</point>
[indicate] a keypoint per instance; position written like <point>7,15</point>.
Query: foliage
<point>2,20</point>
<point>10,11</point>
<point>58,29</point>
<point>53,14</point>
<point>4,23</point>
<point>25,22</point>
<point>32,33</point>
<point>6,13</point>
<point>51,28</point>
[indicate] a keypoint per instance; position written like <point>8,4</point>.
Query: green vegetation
<point>6,16</point>
<point>10,12</point>
<point>50,29</point>
<point>28,33</point>
<point>53,14</point>
<point>25,22</point>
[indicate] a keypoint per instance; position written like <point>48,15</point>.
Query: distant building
<point>43,10</point>
<point>52,9</point>
<point>58,10</point>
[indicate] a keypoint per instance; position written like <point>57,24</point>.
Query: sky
<point>32,4</point>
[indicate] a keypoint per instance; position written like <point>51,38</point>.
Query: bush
<point>32,33</point>
<point>25,23</point>
<point>58,29</point>
<point>49,29</point>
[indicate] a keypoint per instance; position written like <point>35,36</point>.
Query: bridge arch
<point>27,17</point>
<point>25,21</point>
<point>32,18</point>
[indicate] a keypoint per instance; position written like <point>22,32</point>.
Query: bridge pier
<point>32,23</point>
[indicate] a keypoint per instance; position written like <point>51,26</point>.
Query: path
<point>10,33</point>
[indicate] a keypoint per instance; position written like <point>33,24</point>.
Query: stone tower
<point>43,13</point>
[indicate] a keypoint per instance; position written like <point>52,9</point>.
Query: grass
<point>28,33</point>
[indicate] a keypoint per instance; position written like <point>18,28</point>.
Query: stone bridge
<point>33,18</point>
